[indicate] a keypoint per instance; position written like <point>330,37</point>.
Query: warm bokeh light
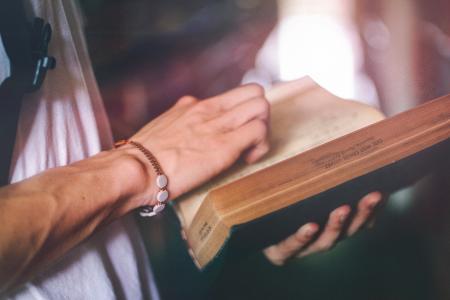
<point>317,46</point>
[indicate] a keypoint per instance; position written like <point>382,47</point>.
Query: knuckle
<point>261,127</point>
<point>362,205</point>
<point>281,247</point>
<point>334,226</point>
<point>263,105</point>
<point>285,249</point>
<point>266,104</point>
<point>220,143</point>
<point>302,239</point>
<point>260,130</point>
<point>188,99</point>
<point>339,217</point>
<point>324,246</point>
<point>274,255</point>
<point>265,147</point>
<point>255,89</point>
<point>205,107</point>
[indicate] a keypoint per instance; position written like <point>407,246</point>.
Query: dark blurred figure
<point>407,49</point>
<point>149,53</point>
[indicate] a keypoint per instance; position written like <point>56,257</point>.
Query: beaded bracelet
<point>161,180</point>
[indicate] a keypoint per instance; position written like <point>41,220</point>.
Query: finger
<point>373,218</point>
<point>256,153</point>
<point>252,136</point>
<point>297,241</point>
<point>366,207</point>
<point>185,101</point>
<point>238,95</point>
<point>242,113</point>
<point>179,108</point>
<point>284,250</point>
<point>331,233</point>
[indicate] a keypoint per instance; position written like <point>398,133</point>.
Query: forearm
<point>46,215</point>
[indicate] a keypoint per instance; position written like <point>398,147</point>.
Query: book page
<point>303,116</point>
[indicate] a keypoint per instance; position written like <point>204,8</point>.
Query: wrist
<point>133,176</point>
<point>161,181</point>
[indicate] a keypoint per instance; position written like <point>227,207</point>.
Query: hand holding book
<point>325,153</point>
<point>305,240</point>
<point>196,140</point>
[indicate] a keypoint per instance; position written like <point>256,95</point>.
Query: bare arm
<point>46,215</point>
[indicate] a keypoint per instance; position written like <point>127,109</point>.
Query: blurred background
<point>391,54</point>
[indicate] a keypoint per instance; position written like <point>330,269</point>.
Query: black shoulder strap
<point>15,37</point>
<point>26,45</point>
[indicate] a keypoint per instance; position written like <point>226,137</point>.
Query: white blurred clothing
<point>61,123</point>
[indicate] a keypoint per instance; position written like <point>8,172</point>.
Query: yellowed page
<point>303,116</point>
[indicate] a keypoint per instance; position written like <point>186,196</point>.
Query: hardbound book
<point>325,152</point>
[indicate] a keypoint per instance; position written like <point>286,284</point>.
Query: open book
<point>323,155</point>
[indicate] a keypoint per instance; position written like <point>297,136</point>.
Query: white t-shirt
<point>64,122</point>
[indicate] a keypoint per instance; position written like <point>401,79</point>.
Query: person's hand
<point>195,140</point>
<point>305,241</point>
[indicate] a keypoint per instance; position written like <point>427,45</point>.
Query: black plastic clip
<point>41,34</point>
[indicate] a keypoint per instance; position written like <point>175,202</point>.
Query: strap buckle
<point>41,33</point>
